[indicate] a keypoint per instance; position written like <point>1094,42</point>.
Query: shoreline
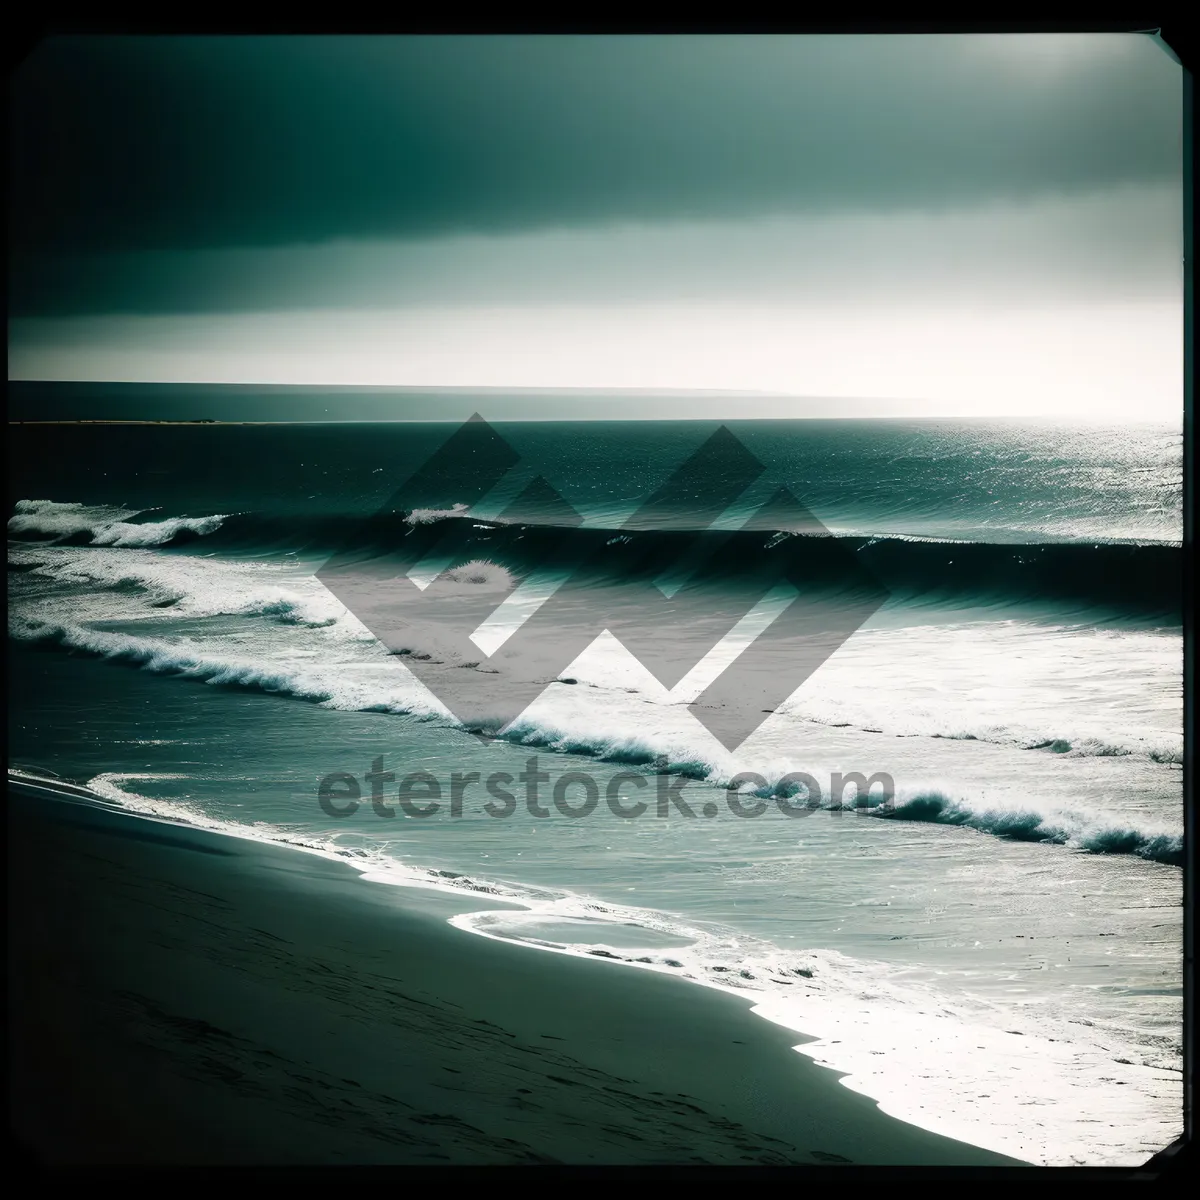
<point>246,1003</point>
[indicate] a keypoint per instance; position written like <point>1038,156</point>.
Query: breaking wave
<point>396,694</point>
<point>70,523</point>
<point>1117,575</point>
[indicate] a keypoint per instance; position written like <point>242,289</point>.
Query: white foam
<point>107,526</point>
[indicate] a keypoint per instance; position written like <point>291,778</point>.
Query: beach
<point>612,603</point>
<point>993,956</point>
<point>178,996</point>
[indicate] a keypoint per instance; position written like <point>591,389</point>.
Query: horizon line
<point>1035,418</point>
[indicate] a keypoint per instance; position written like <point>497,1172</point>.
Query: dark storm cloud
<point>123,143</point>
<point>1123,244</point>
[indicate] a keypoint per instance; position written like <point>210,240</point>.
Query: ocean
<point>990,946</point>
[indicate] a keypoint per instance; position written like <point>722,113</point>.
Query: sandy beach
<point>178,996</point>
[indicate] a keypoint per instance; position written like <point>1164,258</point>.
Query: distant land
<point>118,421</point>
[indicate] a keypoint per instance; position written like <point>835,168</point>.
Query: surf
<point>1140,579</point>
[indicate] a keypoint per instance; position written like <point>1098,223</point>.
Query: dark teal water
<point>973,481</point>
<point>171,643</point>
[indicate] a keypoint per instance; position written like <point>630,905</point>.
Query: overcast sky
<point>958,224</point>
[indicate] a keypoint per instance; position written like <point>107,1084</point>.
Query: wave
<point>188,587</point>
<point>75,524</point>
<point>426,516</point>
<point>624,746</point>
<point>397,695</point>
<point>1154,745</point>
<point>482,573</point>
<point>1032,825</point>
<point>1097,835</point>
<point>330,687</point>
<point>184,587</point>
<point>1140,579</point>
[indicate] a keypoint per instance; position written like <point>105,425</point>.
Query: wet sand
<point>179,996</point>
